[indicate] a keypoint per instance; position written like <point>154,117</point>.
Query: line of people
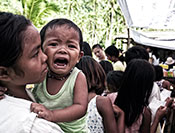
<point>159,99</point>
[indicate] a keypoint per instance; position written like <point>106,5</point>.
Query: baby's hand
<point>42,111</point>
<point>2,92</point>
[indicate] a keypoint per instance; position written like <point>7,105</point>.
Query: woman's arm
<point>120,119</point>
<point>145,127</point>
<point>104,107</point>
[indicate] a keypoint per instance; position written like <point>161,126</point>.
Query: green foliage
<point>10,6</point>
<point>100,20</point>
<point>38,11</point>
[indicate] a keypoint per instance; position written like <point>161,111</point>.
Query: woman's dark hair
<point>95,75</point>
<point>12,28</point>
<point>112,51</point>
<point>114,80</point>
<point>106,65</point>
<point>135,89</point>
<point>86,49</point>
<point>59,22</point>
<point>159,72</point>
<point>136,52</point>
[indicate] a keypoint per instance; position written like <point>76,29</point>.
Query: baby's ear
<point>4,76</point>
<point>80,55</point>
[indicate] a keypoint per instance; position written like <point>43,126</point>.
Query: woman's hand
<point>120,118</point>
<point>169,102</point>
<point>161,112</point>
<point>117,110</point>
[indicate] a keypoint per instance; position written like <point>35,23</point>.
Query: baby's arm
<point>2,92</point>
<point>80,102</point>
<point>73,112</point>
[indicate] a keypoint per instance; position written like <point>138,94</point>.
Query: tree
<point>99,20</point>
<point>38,11</point>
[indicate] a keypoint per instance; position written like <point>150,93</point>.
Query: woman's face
<point>33,61</point>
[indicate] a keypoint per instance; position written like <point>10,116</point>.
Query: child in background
<point>133,95</point>
<point>114,79</point>
<point>64,91</point>
<point>100,112</point>
<point>162,83</point>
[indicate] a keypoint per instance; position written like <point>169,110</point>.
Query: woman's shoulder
<point>103,103</point>
<point>103,99</point>
<point>147,111</point>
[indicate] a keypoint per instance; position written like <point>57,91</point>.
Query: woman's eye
<point>36,54</point>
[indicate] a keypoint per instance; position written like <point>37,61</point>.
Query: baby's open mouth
<point>61,62</point>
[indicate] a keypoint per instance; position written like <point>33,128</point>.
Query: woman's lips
<point>45,70</point>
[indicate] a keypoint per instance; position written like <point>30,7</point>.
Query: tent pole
<point>128,41</point>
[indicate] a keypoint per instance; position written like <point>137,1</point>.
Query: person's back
<point>134,92</point>
<point>139,52</point>
<point>100,112</point>
<point>133,97</point>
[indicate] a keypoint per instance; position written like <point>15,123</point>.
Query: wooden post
<point>128,41</point>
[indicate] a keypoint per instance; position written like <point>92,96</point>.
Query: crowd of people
<point>52,81</point>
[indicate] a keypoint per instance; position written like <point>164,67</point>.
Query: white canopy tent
<point>151,14</point>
